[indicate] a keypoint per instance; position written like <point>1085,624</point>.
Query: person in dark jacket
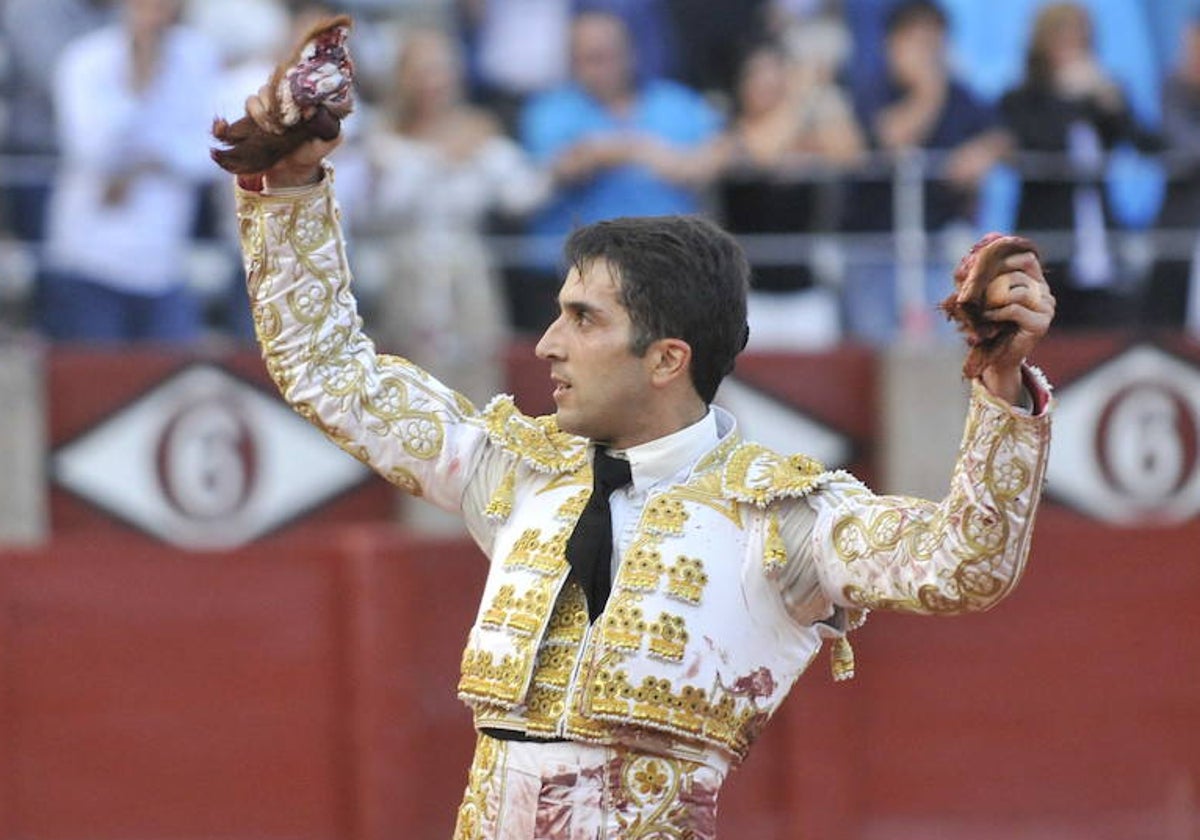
<point>1066,116</point>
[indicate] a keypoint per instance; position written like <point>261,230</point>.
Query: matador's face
<point>602,389</point>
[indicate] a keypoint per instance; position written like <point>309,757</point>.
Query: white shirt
<point>658,464</point>
<point>105,128</point>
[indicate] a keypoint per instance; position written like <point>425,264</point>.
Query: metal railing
<point>907,247</point>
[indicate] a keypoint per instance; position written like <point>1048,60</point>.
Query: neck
<point>677,416</point>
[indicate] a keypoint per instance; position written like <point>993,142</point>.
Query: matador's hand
<point>300,166</point>
<point>1004,307</point>
<point>304,103</point>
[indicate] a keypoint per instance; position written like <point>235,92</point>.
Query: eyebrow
<point>578,307</point>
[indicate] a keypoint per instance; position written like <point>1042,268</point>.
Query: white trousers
<point>577,791</point>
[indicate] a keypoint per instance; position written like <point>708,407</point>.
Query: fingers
<point>1022,296</point>
<point>1021,282</point>
<point>1025,263</point>
<point>1030,308</point>
<point>1037,313</point>
<point>257,110</point>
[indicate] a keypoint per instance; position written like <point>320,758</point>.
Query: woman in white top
<point>439,167</point>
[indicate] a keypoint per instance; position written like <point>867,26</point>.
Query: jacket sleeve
<point>962,554</point>
<point>382,409</point>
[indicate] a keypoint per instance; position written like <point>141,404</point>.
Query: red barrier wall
<point>304,689</point>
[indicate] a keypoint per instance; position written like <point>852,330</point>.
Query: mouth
<point>561,386</point>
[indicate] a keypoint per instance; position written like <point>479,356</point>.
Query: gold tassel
<point>842,659</point>
<point>501,504</point>
<point>774,552</point>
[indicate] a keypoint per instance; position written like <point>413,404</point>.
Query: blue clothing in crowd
<point>555,121</point>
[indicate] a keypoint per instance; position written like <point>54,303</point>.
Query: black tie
<point>590,547</point>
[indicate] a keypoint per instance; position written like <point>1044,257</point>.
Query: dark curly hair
<point>680,277</point>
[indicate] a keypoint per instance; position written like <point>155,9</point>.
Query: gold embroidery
<point>686,580</point>
<point>475,815</point>
<point>842,659</point>
<point>406,480</point>
<point>756,475</point>
<point>973,522</point>
<point>544,706</point>
<point>505,681</point>
<point>499,507</point>
<point>389,401</point>
<point>624,624</point>
<point>706,490</point>
<point>546,557</point>
<point>308,231</point>
<point>555,665</point>
<point>668,638</point>
<point>557,659</point>
<point>688,712</point>
<point>572,508</point>
<point>664,515</point>
<point>582,477</point>
<point>774,550</point>
<point>641,567</point>
<point>311,302</point>
<point>538,441</point>
<point>652,785</point>
<point>422,435</point>
<point>523,614</point>
<point>716,458</point>
<point>569,620</point>
<point>267,322</point>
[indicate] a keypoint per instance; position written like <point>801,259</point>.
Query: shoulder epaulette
<point>537,441</point>
<point>757,475</point>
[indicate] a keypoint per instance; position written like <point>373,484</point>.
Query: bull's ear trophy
<point>969,301</point>
<point>309,95</point>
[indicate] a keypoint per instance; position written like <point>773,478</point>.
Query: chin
<point>572,425</point>
<point>563,419</point>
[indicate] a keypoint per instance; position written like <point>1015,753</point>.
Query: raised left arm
<point>962,554</point>
<point>967,551</point>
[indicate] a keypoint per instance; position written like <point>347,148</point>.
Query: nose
<point>548,347</point>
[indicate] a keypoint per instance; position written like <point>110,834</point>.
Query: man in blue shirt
<point>602,134</point>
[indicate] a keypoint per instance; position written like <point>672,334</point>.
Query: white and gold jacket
<point>735,573</point>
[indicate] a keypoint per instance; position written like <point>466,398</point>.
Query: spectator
<point>134,107</point>
<point>651,29</point>
<point>607,138</point>
<point>36,32</point>
<point>438,168</point>
<point>867,23</point>
<point>1173,293</point>
<point>921,107</point>
<point>1066,115</point>
<point>600,133</point>
<point>794,131</point>
<point>251,35</point>
<point>516,48</point>
<point>713,35</point>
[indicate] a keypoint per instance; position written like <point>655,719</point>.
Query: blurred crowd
<point>857,147</point>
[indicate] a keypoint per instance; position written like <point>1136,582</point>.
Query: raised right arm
<point>383,410</point>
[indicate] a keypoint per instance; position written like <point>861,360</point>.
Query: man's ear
<point>670,359</point>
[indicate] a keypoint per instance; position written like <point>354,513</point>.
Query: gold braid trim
<point>759,476</point>
<point>537,440</point>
